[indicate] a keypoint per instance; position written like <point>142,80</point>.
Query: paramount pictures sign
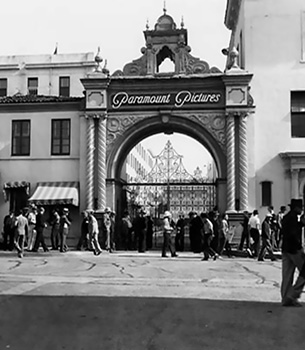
<point>183,98</point>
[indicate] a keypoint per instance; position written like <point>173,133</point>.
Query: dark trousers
<point>83,241</point>
<point>179,240</point>
<point>207,249</point>
<point>141,241</point>
<point>244,237</point>
<point>254,233</point>
<point>167,244</point>
<point>8,237</point>
<point>55,237</point>
<point>266,247</point>
<point>40,240</point>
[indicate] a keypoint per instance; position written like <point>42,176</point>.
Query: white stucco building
<point>270,38</point>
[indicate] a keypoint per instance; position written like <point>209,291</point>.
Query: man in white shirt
<point>255,224</point>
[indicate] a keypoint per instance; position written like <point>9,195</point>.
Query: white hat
<point>167,213</point>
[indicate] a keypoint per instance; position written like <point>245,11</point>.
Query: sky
<point>116,26</point>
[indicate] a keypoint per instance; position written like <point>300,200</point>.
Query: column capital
<point>237,113</point>
<point>101,115</point>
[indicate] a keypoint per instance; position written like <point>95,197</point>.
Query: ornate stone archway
<point>195,100</point>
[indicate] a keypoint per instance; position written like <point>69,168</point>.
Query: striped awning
<point>56,193</point>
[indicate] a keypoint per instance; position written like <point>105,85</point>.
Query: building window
<point>33,86</point>
<point>3,87</point>
<point>64,86</point>
<point>298,113</point>
<point>266,193</point>
<point>60,137</point>
<point>21,137</point>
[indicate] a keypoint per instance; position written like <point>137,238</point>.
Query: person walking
<point>293,256</point>
<point>83,239</point>
<point>40,226</point>
<point>223,235</point>
<point>21,232</point>
<point>168,228</point>
<point>207,236</point>
<point>93,233</point>
<point>254,224</point>
<point>64,224</point>
<point>266,239</point>
<point>108,226</point>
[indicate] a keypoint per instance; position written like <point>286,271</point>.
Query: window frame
<point>3,89</point>
<point>33,90</point>
<point>266,193</point>
<point>21,138</point>
<point>60,138</point>
<point>63,88</point>
<point>297,113</point>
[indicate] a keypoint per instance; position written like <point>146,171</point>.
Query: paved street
<point>128,300</point>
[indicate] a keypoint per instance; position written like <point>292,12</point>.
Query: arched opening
<point>165,61</point>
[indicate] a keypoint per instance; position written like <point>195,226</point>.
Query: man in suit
<point>293,256</point>
<point>40,226</point>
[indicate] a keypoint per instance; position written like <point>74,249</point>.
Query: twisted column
<point>230,162</point>
<point>101,163</point>
<point>90,163</point>
<point>243,163</point>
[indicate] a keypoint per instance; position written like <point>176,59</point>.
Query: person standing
<point>140,228</point>
<point>83,239</point>
<point>93,233</point>
<point>64,224</point>
<point>245,237</point>
<point>207,236</point>
<point>293,256</point>
<point>108,228</point>
<point>254,224</point>
<point>21,231</point>
<point>9,231</point>
<point>179,241</point>
<point>31,227</point>
<point>278,233</point>
<point>126,231</point>
<point>149,232</point>
<point>168,228</point>
<point>266,239</point>
<point>55,223</point>
<point>40,226</point>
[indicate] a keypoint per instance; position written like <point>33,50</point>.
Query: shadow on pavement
<point>51,323</point>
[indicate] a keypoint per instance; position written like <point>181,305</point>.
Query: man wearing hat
<point>64,224</point>
<point>168,228</point>
<point>292,254</point>
<point>266,239</point>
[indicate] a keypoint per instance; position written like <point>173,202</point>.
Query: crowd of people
<point>25,230</point>
<point>208,234</point>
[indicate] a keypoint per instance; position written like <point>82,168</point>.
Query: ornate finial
<point>105,70</point>
<point>164,7</point>
<point>182,22</point>
<point>233,54</point>
<point>147,24</point>
<point>98,59</point>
